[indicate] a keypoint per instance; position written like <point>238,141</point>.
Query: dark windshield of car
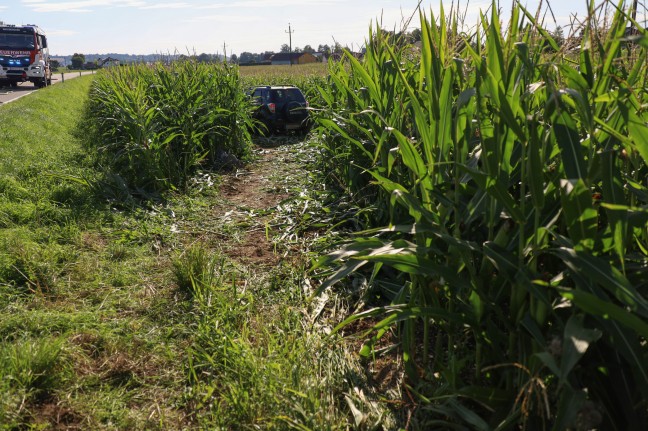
<point>16,41</point>
<point>286,95</point>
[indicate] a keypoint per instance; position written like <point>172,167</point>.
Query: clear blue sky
<point>197,26</point>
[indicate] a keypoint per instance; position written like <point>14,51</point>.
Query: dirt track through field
<point>251,196</point>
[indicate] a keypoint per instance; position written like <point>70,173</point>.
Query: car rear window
<point>287,95</point>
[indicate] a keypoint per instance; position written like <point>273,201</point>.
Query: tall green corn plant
<point>157,124</point>
<point>502,246</point>
<point>604,253</point>
<point>205,111</point>
<point>124,119</point>
<point>418,174</point>
<point>364,100</point>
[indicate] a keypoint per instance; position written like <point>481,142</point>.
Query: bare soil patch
<point>253,195</point>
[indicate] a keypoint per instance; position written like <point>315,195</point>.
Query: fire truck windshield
<point>16,41</point>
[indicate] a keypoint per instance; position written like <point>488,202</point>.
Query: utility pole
<point>633,14</point>
<point>224,52</point>
<point>290,32</point>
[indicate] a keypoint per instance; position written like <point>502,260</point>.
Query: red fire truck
<point>24,56</point>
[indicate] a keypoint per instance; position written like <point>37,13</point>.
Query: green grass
<point>249,365</point>
<point>119,314</point>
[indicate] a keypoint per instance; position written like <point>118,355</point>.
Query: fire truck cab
<point>24,56</point>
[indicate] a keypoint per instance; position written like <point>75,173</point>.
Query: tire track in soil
<point>253,195</point>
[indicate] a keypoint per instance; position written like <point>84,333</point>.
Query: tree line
<point>325,49</point>
<point>79,61</point>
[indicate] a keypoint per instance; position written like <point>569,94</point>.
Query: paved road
<point>9,94</point>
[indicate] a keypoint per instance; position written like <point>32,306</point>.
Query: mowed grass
<point>126,315</point>
<point>81,342</point>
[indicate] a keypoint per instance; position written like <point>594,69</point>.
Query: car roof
<point>276,87</point>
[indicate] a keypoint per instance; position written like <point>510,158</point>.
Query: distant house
<point>293,58</point>
<point>320,56</point>
<point>108,62</point>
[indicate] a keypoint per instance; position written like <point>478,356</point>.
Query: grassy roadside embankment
<point>186,314</point>
<point>81,343</point>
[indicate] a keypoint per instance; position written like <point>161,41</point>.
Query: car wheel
<point>266,129</point>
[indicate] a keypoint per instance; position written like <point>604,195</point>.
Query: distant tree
<point>337,49</point>
<point>559,36</point>
<point>233,58</point>
<point>297,49</point>
<point>204,58</point>
<point>285,48</point>
<point>77,61</point>
<point>247,57</point>
<point>308,49</point>
<point>415,35</point>
<point>324,49</point>
<point>55,65</point>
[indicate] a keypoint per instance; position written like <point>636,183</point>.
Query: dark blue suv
<point>280,108</point>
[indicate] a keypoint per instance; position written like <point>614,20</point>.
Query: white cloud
<point>166,6</point>
<point>228,18</point>
<point>273,4</point>
<point>131,4</point>
<point>62,33</point>
<point>77,6</point>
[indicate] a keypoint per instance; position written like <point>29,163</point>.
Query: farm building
<point>108,62</point>
<point>320,56</point>
<point>293,58</point>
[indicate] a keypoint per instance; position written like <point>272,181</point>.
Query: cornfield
<point>503,188</point>
<point>156,125</point>
<point>507,188</point>
<point>308,77</point>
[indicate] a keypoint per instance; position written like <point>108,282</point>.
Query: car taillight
<point>271,107</point>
